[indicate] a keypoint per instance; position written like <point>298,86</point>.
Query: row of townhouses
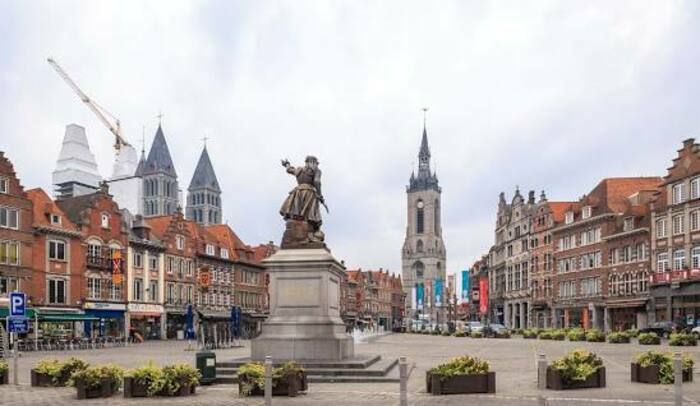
<point>372,300</point>
<point>624,255</point>
<point>126,262</point>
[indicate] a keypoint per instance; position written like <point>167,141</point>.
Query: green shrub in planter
<point>95,377</point>
<point>60,372</point>
<point>683,340</point>
<point>435,333</point>
<point>559,335</point>
<point>632,332</point>
<point>576,335</point>
<point>476,334</point>
<point>149,376</point>
<point>618,338</point>
<point>251,377</point>
<point>459,334</point>
<point>518,331</point>
<point>179,376</point>
<point>529,333</point>
<point>665,363</point>
<point>446,333</point>
<point>545,335</point>
<point>595,336</point>
<point>649,339</point>
<point>502,334</point>
<point>464,365</point>
<point>577,365</point>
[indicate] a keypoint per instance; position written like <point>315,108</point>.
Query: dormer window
<point>678,193</point>
<point>569,217</point>
<point>586,212</point>
<point>105,220</point>
<point>210,249</point>
<point>180,242</point>
<point>629,224</point>
<point>56,219</point>
<point>224,253</point>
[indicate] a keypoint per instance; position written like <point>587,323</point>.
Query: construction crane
<point>99,111</point>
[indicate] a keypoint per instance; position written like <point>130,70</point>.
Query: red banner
<point>116,267</point>
<point>483,295</point>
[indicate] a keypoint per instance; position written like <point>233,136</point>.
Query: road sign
<point>17,304</point>
<point>17,324</point>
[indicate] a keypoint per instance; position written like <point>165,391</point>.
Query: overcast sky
<point>550,95</point>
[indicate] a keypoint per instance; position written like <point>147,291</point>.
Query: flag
<point>465,286</point>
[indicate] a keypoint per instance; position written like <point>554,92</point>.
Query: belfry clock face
<point>419,204</point>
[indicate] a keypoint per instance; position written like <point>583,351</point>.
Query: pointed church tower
<point>423,256</point>
<point>204,194</point>
<point>76,169</point>
<point>160,189</point>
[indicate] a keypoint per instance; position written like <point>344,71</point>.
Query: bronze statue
<point>301,209</point>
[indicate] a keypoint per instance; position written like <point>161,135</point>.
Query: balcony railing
<point>682,275</point>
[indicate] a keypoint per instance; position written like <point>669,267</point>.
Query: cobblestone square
<point>514,361</point>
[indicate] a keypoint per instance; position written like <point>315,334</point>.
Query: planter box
<point>650,374</point>
<point>132,389</point>
<point>625,340</point>
<point>105,390</point>
<point>283,387</point>
<point>481,383</point>
<point>5,378</point>
<point>529,337</point>
<point>41,380</point>
<point>554,380</point>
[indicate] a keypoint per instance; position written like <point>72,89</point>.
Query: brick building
<point>105,242</point>
<point>675,230</point>
<point>372,299</point>
<point>16,240</point>
<point>581,254</point>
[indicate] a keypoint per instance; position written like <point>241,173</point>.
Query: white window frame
<point>224,253</point>
<point>678,259</point>
<point>569,217</point>
<point>661,228</point>
<point>138,290</point>
<point>104,220</point>
<point>55,219</point>
<point>695,188</point>
<point>8,211</point>
<point>153,291</point>
<point>695,257</point>
<point>153,262</point>
<point>678,224</point>
<point>662,264</point>
<point>5,258</point>
<point>678,193</point>
<point>694,220</point>
<point>94,286</point>
<point>210,249</point>
<point>48,290</point>
<point>138,259</point>
<point>586,212</point>
<point>56,244</point>
<point>4,185</point>
<point>628,224</point>
<point>180,242</point>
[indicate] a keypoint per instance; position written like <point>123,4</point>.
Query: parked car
<point>494,328</point>
<point>661,328</point>
<point>473,326</point>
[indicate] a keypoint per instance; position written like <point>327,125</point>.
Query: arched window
<point>420,217</point>
<point>419,246</point>
<point>419,269</point>
<point>436,217</point>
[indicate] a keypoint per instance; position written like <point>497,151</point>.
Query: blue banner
<point>419,295</point>
<point>465,285</point>
<point>437,289</point>
<point>236,321</point>
<point>189,321</point>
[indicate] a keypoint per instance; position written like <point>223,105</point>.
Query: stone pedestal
<point>304,322</point>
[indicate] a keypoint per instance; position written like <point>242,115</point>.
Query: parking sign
<point>17,304</point>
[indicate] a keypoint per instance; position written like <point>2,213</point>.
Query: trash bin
<point>206,364</point>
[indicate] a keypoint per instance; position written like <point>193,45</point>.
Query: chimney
<point>141,228</point>
<point>689,142</point>
<point>531,197</point>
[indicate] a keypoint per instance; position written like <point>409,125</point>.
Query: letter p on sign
<point>17,304</point>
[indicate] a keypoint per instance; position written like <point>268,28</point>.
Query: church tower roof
<point>425,179</point>
<point>159,160</point>
<point>142,165</point>
<point>204,176</point>
<point>76,169</point>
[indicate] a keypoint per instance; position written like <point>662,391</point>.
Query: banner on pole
<point>465,286</point>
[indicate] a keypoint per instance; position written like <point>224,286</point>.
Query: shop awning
<point>4,312</point>
<point>627,303</point>
<point>214,315</point>
<point>58,318</point>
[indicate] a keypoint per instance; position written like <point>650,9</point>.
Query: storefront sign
<point>145,308</point>
<point>104,306</point>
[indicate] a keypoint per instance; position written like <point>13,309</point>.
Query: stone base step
<point>359,362</point>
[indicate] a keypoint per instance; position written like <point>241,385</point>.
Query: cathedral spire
<point>425,179</point>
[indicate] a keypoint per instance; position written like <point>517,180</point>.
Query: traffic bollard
<point>268,380</point>
<point>541,378</point>
<point>403,381</point>
<point>678,379</point>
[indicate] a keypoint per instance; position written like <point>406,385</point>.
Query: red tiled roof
<point>617,190</point>
<point>159,225</point>
<point>263,251</point>
<point>559,209</point>
<point>229,238</point>
<point>43,206</point>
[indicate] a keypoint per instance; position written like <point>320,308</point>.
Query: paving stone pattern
<point>513,360</point>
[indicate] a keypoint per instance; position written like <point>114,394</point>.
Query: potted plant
<point>287,380</point>
<point>577,369</point>
<point>576,334</point>
<point>180,380</point>
<point>545,335</point>
<point>4,373</point>
<point>459,334</point>
<point>618,338</point>
<point>501,334</point>
<point>559,335</point>
<point>145,381</point>
<point>446,333</point>
<point>656,367</point>
<point>529,334</point>
<point>649,339</point>
<point>683,340</point>
<point>632,332</point>
<point>100,381</point>
<point>52,372</point>
<point>595,336</point>
<point>461,375</point>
